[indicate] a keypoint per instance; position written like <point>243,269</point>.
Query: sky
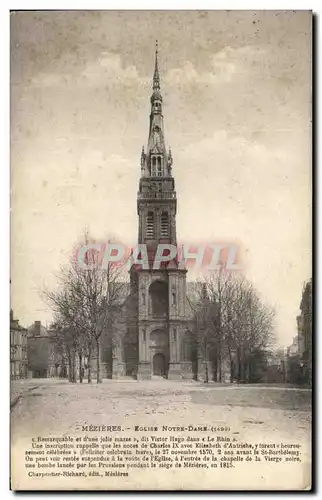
<point>236,89</point>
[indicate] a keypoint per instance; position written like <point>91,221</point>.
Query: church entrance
<point>159,347</point>
<point>159,365</point>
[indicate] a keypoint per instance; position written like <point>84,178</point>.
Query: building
<point>299,353</point>
<point>18,350</point>
<point>304,326</point>
<point>157,332</point>
<point>155,342</point>
<point>43,359</point>
<point>293,349</point>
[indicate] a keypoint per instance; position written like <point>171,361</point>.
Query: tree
<point>231,321</point>
<point>88,299</point>
<point>65,344</point>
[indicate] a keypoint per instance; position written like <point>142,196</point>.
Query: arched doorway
<point>159,365</point>
<point>159,347</point>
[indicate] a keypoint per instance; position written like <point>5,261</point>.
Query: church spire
<point>156,162</point>
<point>156,94</point>
<point>156,76</point>
<point>157,201</point>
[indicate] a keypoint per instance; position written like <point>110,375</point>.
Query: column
<point>174,365</point>
<point>118,364</point>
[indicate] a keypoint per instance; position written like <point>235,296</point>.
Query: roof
<point>37,330</point>
<point>14,325</point>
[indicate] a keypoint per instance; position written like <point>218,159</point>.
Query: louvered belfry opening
<point>159,166</point>
<point>156,166</point>
<point>164,225</point>
<point>150,226</point>
<point>153,166</point>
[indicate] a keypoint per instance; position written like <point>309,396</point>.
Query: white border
<point>4,169</point>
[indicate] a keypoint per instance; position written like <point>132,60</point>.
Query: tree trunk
<point>206,367</point>
<point>239,365</point>
<point>242,367</point>
<point>74,366</point>
<point>231,366</point>
<point>215,370</point>
<point>80,357</point>
<point>247,369</point>
<point>70,366</point>
<point>98,365</point>
<point>206,373</point>
<point>89,364</point>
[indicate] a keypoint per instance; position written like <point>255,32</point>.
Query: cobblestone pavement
<point>56,407</point>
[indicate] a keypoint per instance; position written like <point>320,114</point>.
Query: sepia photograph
<point>161,250</point>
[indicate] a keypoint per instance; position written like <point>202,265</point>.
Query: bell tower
<point>160,293</point>
<point>156,189</point>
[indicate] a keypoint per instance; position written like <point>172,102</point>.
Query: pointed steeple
<point>156,162</point>
<point>156,94</point>
<point>156,76</point>
<point>143,156</point>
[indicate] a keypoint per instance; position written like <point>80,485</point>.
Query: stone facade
<point>18,350</point>
<point>43,359</point>
<point>304,327</point>
<point>155,343</point>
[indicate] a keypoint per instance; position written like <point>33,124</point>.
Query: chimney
<point>37,327</point>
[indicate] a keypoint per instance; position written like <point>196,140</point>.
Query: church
<point>156,342</point>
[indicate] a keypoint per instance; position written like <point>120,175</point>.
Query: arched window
<point>164,225</point>
<point>153,166</point>
<point>158,292</point>
<point>159,167</point>
<point>150,226</point>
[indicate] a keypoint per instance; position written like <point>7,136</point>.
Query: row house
<point>18,350</point>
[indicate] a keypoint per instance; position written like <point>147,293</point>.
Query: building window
<point>150,226</point>
<point>156,166</point>
<point>153,166</point>
<point>159,294</point>
<point>164,225</point>
<point>159,166</point>
<point>143,298</point>
<point>174,335</point>
<point>174,299</point>
<point>144,335</point>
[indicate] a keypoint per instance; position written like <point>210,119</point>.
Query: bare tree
<point>65,344</point>
<point>231,321</point>
<point>89,298</point>
<point>205,326</point>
